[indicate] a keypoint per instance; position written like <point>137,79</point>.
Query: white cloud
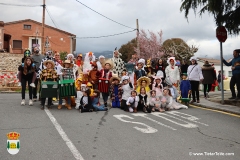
<point>154,15</point>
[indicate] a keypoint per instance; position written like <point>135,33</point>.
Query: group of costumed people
<point>133,86</point>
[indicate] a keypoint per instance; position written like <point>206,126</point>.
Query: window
<point>229,73</point>
<point>26,26</point>
<point>17,44</point>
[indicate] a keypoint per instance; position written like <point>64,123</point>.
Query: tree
<point>178,48</point>
<point>149,47</point>
<point>127,50</point>
<point>226,12</point>
<point>63,55</point>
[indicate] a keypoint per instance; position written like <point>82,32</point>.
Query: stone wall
<point>10,62</point>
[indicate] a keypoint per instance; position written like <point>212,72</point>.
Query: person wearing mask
<point>37,58</point>
<point>235,79</point>
<point>195,76</point>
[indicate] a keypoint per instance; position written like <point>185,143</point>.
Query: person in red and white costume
<point>105,75</point>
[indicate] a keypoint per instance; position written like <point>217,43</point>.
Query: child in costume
<point>143,104</point>
<point>132,102</point>
<point>127,87</point>
<point>86,102</point>
<point>115,92</point>
<point>157,85</point>
<point>124,73</point>
<point>78,85</point>
<point>90,87</point>
<point>150,71</point>
<point>185,86</point>
<point>79,61</point>
<point>67,73</point>
<point>143,82</point>
<point>154,102</point>
<point>48,74</point>
<point>94,75</point>
<point>27,74</point>
<point>95,102</point>
<point>105,76</point>
<point>168,103</point>
<point>172,88</point>
<point>139,72</point>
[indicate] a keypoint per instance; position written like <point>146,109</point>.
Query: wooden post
<point>43,24</point>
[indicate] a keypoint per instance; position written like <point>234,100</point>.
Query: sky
<point>153,15</point>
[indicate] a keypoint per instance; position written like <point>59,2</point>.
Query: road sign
<point>221,33</point>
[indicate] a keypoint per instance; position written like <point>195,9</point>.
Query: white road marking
<point>145,116</point>
<point>143,130</point>
<point>187,125</point>
<point>64,136</point>
<point>187,116</point>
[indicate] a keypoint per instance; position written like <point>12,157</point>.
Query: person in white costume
<point>172,71</point>
<point>88,60</point>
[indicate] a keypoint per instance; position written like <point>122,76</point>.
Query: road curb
<point>218,109</point>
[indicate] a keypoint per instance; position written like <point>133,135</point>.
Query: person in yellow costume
<point>90,86</point>
<point>143,82</point>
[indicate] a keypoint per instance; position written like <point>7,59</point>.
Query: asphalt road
<point>117,135</point>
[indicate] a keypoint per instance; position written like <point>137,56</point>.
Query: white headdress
<point>89,58</point>
<point>173,58</point>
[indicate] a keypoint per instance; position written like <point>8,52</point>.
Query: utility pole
<point>43,24</point>
<point>138,50</point>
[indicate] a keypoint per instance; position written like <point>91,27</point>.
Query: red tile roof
<point>30,20</point>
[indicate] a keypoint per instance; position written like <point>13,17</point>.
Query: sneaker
<point>232,98</point>
<point>237,98</point>
<point>34,99</point>
<point>192,101</point>
<point>23,102</point>
<point>207,95</point>
<point>42,108</point>
<point>30,102</point>
<point>32,85</point>
<point>198,101</point>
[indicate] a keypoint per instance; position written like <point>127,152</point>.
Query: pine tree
<point>225,12</point>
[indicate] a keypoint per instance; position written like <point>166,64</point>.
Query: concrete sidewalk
<point>214,102</point>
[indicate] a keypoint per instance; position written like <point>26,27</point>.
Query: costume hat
<point>144,78</point>
<point>114,78</point>
<point>67,62</point>
<point>49,61</point>
<point>109,61</point>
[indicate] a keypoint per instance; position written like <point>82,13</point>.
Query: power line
<point>104,16</point>
<point>106,35</point>
<point>20,5</point>
<point>51,18</point>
